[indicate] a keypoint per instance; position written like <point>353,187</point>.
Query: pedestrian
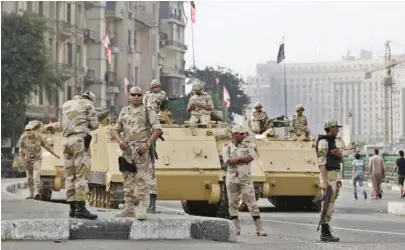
<point>377,170</point>
<point>238,156</point>
<point>31,144</point>
<point>136,121</point>
<point>329,159</point>
<point>400,165</point>
<point>358,176</point>
<point>77,117</point>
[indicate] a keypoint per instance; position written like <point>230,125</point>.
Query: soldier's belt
<point>139,136</point>
<point>333,176</point>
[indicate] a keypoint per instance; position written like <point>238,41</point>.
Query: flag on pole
<point>227,98</point>
<point>217,80</point>
<point>192,4</point>
<point>126,83</point>
<point>108,55</point>
<point>106,41</point>
<point>281,56</point>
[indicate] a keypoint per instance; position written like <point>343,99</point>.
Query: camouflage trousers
<point>244,190</point>
<point>76,167</point>
<point>334,182</point>
<point>140,180</point>
<point>299,133</point>
<point>32,169</point>
<point>202,119</point>
<point>152,181</point>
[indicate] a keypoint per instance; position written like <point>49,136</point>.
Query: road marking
<point>312,225</point>
<point>173,209</point>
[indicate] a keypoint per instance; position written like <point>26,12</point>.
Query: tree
<point>25,67</point>
<point>231,80</point>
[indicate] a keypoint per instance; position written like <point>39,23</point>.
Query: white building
<point>335,90</point>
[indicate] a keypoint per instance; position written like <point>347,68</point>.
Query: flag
<point>217,80</point>
<point>106,41</point>
<point>126,83</point>
<point>108,55</point>
<point>281,56</point>
<point>192,4</point>
<point>227,98</point>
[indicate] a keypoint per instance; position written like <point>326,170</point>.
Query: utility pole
<point>388,105</point>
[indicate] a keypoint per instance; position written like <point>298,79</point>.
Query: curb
<point>396,208</point>
<point>170,228</point>
<point>388,186</point>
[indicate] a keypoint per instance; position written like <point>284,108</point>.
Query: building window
<point>129,37</point>
<point>135,38</point>
<point>79,16</point>
<point>40,8</point>
<point>69,92</point>
<point>78,55</point>
<point>69,13</point>
<point>110,5</point>
<point>41,96</point>
<point>136,76</point>
<point>70,54</point>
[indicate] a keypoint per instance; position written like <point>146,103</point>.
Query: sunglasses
<point>139,95</point>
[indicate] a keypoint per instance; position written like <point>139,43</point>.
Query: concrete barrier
<point>396,208</point>
<point>168,227</point>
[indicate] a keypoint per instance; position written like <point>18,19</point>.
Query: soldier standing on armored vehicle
<point>200,105</point>
<point>154,99</point>
<point>136,122</point>
<point>258,120</point>
<point>76,119</point>
<point>31,156</point>
<point>238,156</point>
<point>299,124</point>
<point>329,159</point>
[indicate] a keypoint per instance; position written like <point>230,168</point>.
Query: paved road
<point>361,224</point>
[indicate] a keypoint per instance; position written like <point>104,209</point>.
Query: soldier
<point>31,155</point>
<point>136,122</point>
<point>258,120</point>
<point>238,156</point>
<point>154,99</point>
<point>299,123</point>
<point>200,105</point>
<point>329,159</point>
<point>76,119</point>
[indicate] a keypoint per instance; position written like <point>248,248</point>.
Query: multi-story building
<point>172,47</point>
<point>132,28</point>
<point>337,89</point>
<point>66,23</point>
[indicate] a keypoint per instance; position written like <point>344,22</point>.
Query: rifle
<point>326,199</point>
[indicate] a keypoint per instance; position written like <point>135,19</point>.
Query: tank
<point>289,166</point>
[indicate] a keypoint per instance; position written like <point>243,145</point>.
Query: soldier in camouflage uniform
<point>200,105</point>
<point>329,159</point>
<point>136,122</point>
<point>299,124</point>
<point>31,155</point>
<point>76,119</point>
<point>258,120</point>
<point>153,99</point>
<point>238,156</point>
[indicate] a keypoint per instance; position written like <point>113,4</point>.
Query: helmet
<point>331,123</point>
<point>299,107</point>
<point>197,86</point>
<point>258,105</point>
<point>238,129</point>
<point>134,90</point>
<point>155,83</point>
<point>34,124</point>
<point>89,95</point>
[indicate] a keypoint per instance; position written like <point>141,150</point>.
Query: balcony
<point>110,77</point>
<point>113,12</point>
<point>113,89</point>
<point>176,45</point>
<point>90,77</point>
<point>89,36</point>
<point>40,111</point>
<point>177,19</point>
<point>90,4</point>
<point>65,30</point>
<point>66,71</point>
<point>172,72</point>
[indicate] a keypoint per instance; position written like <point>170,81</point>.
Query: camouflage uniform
<point>258,120</point>
<point>76,119</point>
<point>332,164</point>
<point>31,153</point>
<point>199,114</point>
<point>239,181</point>
<point>153,100</point>
<point>136,130</point>
<point>299,124</point>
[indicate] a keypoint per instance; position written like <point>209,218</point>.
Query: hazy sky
<point>240,34</point>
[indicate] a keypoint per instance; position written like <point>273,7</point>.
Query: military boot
<point>152,204</point>
<point>72,205</point>
<point>141,213</point>
<point>81,211</point>
<point>259,227</point>
<point>237,225</point>
<point>31,196</point>
<point>128,211</point>
<point>326,235</point>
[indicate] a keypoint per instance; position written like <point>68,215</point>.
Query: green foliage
<point>25,67</point>
<point>231,80</point>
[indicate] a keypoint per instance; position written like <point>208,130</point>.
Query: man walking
<point>400,165</point>
<point>377,171</point>
<point>358,176</point>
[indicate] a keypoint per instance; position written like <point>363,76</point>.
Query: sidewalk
<point>37,220</point>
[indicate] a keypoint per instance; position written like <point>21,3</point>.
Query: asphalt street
<point>361,224</point>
